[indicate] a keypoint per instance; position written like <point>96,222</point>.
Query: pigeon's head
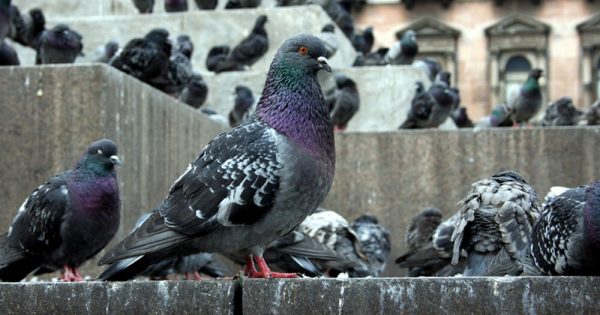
<point>260,21</point>
<point>342,80</point>
<point>366,218</point>
<point>101,156</point>
<point>444,76</point>
<point>409,35</point>
<point>39,20</point>
<point>328,28</point>
<point>242,90</point>
<point>420,87</point>
<point>111,48</point>
<point>158,35</point>
<point>431,212</point>
<point>536,73</point>
<point>303,54</point>
<point>218,50</point>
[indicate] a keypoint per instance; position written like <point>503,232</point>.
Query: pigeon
<point>494,224</point>
<point>461,118</point>
<point>376,58</point>
<point>364,42</point>
<point>242,4</point>
<point>144,6</point>
<point>404,51</point>
<point>5,19</point>
<point>241,107</point>
<point>206,4</point>
<point>176,5</point>
<point>345,101</point>
<point>329,39</point>
<point>8,55</point>
<point>422,226</point>
<point>443,78</point>
<point>592,116</point>
<point>562,113</point>
<point>217,55</point>
<point>375,244</point>
<point>554,192</point>
<point>145,58</point>
<point>28,28</point>
<point>60,44</point>
<point>288,3</point>
<point>249,50</point>
<point>340,16</point>
<point>430,66</point>
<point>176,76</point>
<point>430,108</point>
<point>107,52</point>
<point>252,184</point>
<point>528,100</point>
<point>196,91</point>
<point>67,220</point>
<point>185,46</point>
<point>565,240</point>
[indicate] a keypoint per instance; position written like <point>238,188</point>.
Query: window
<point>589,31</point>
<point>516,72</point>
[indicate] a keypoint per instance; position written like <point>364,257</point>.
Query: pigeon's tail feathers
<point>126,269</point>
<point>408,124</point>
<point>151,237</point>
<point>308,267</point>
<point>418,258</point>
<point>477,264</point>
<point>515,228</point>
<point>8,254</point>
<point>18,269</point>
<point>215,269</point>
<point>312,249</point>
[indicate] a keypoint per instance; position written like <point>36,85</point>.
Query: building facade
<point>490,45</point>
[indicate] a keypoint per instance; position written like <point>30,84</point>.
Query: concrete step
<point>507,295</point>
<point>206,29</point>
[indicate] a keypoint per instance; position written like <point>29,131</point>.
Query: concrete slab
<point>206,29</point>
<point>139,297</point>
<point>50,114</point>
<point>556,295</point>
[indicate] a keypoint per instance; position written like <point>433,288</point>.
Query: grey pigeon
<point>404,51</point>
<point>565,240</point>
<point>60,44</point>
<point>287,3</point>
<point>241,106</point>
<point>494,224</point>
<point>249,50</point>
<point>329,39</point>
<point>107,52</point>
<point>216,56</point>
<point>376,58</point>
<point>528,101</point>
<point>254,183</point>
<point>196,91</point>
<point>66,220</point>
<point>144,6</point>
<point>499,117</point>
<point>364,41</point>
<point>176,5</point>
<point>8,55</point>
<point>344,101</point>
<point>340,16</point>
<point>5,19</point>
<point>375,243</point>
<point>461,118</point>
<point>176,76</point>
<point>26,29</point>
<point>592,116</point>
<point>430,66</point>
<point>185,46</point>
<point>242,4</point>
<point>562,113</point>
<point>206,4</point>
<point>430,108</point>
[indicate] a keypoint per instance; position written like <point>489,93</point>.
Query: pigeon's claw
<point>263,270</point>
<point>70,275</point>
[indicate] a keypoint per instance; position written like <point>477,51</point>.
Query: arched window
<point>516,70</point>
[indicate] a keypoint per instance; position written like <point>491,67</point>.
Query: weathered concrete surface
<point>383,105</point>
<point>559,295</point>
<point>206,29</point>
<point>395,174</point>
<point>155,297</point>
<point>49,115</point>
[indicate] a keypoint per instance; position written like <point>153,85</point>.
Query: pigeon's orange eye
<point>303,50</point>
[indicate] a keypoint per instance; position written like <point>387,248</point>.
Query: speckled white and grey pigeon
<point>375,243</point>
<point>566,238</point>
<point>562,112</point>
<point>494,224</point>
<point>252,184</point>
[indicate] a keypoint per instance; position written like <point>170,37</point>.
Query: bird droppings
<point>40,93</point>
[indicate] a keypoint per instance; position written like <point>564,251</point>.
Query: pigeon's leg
<point>70,275</point>
<point>265,271</point>
<point>192,276</point>
<point>250,269</point>
<point>338,129</point>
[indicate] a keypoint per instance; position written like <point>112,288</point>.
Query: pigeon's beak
<point>323,64</point>
<point>115,160</point>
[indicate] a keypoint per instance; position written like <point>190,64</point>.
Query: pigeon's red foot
<point>263,270</point>
<point>70,275</point>
<point>338,129</point>
<point>193,276</point>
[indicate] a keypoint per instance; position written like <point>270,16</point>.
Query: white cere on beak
<point>115,159</point>
<point>322,59</point>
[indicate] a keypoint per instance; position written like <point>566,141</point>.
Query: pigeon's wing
<point>141,58</point>
<point>301,245</point>
<point>250,48</point>
<point>36,228</point>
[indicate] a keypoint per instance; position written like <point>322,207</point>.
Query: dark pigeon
<point>288,3</point>
<point>242,4</point>
<point>60,44</point>
<point>107,52</point>
<point>562,113</point>
<point>363,43</point>
<point>145,58</point>
<point>216,56</point>
<point>196,91</point>
<point>461,118</point>
<point>592,116</point>
<point>528,101</point>
<point>185,46</point>
<point>5,19</point>
<point>176,76</point>
<point>430,66</point>
<point>206,4</point>
<point>67,220</point>
<point>252,184</point>
<point>329,39</point>
<point>443,78</point>
<point>241,107</point>
<point>343,102</point>
<point>376,58</point>
<point>144,6</point>
<point>404,51</point>
<point>8,55</point>
<point>249,50</point>
<point>176,5</point>
<point>340,16</point>
<point>565,240</point>
<point>27,29</point>
<point>494,225</point>
<point>374,243</point>
<point>431,108</point>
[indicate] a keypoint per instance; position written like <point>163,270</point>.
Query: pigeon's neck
<point>531,87</point>
<point>591,214</point>
<point>409,47</point>
<point>93,189</point>
<point>292,103</point>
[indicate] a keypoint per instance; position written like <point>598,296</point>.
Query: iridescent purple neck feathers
<point>591,214</point>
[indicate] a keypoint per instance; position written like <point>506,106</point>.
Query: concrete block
<point>556,295</point>
<point>206,29</point>
<point>50,114</point>
<point>139,297</point>
<point>395,174</point>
